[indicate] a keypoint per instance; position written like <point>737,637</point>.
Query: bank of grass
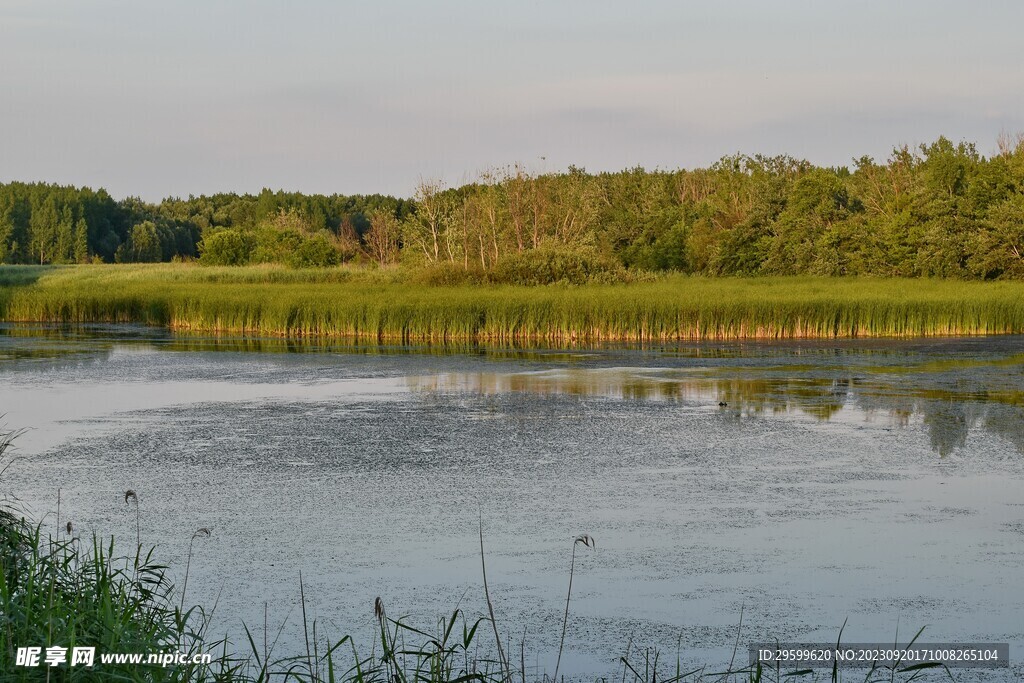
<point>395,305</point>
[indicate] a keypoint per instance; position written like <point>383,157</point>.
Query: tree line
<point>939,210</point>
<point>44,223</point>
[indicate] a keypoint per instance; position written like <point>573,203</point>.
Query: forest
<point>938,210</point>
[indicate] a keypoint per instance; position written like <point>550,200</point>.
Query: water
<point>877,483</point>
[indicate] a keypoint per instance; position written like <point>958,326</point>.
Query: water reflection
<point>889,354</point>
<point>949,387</point>
<point>947,415</point>
<point>53,341</point>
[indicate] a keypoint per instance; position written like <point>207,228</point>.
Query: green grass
<point>393,305</point>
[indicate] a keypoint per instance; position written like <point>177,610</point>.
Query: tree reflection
<point>948,416</point>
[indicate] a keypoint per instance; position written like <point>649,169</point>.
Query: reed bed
<point>388,305</point>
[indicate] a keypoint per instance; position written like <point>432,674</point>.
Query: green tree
<point>81,248</point>
<point>144,245</point>
<point>998,249</point>
<point>225,248</point>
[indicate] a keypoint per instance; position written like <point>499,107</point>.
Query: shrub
<point>447,274</point>
<point>546,266</point>
<point>315,252</point>
<point>225,248</point>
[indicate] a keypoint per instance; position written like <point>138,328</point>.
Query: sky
<point>156,99</point>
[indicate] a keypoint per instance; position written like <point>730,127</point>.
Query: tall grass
<point>587,542</point>
<point>73,592</point>
<point>387,306</point>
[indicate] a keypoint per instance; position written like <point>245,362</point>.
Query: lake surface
<point>879,483</point>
